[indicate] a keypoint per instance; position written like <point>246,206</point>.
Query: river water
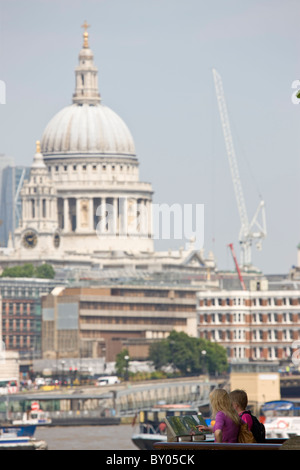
<point>87,437</point>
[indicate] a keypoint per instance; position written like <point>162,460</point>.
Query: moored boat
<point>281,418</point>
<point>20,438</point>
<point>35,416</point>
<point>151,425</point>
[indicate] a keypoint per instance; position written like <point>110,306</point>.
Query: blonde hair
<point>220,401</point>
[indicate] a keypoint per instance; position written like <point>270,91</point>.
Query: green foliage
<point>185,354</point>
<point>159,353</point>
<point>121,363</point>
<point>44,271</point>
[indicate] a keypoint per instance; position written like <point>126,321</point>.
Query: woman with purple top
<point>227,420</point>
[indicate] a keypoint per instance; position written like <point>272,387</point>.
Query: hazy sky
<point>155,60</point>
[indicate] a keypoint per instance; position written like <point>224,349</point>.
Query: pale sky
<point>155,60</point>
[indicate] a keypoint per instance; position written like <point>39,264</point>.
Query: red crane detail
<point>237,266</point>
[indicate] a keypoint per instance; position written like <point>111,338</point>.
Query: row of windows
<point>286,317</point>
<point>260,353</point>
<point>94,167</point>
<point>11,292</point>
<point>17,309</point>
<point>135,307</point>
<point>15,341</point>
<point>133,321</point>
<point>256,335</point>
<point>153,293</point>
<point>18,325</point>
<point>255,302</point>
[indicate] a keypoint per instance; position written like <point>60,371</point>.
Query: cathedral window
<point>56,168</point>
<point>74,167</point>
<point>65,168</point>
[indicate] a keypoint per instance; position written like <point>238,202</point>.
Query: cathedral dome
<point>86,126</point>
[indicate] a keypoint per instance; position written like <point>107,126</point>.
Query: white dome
<point>87,129</point>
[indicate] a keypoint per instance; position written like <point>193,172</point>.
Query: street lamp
<point>63,371</point>
<point>203,352</point>
<point>126,370</point>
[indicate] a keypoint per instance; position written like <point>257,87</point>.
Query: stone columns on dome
<point>123,216</point>
<point>103,214</point>
<point>78,214</point>
<point>91,215</point>
<point>66,215</point>
<point>116,216</point>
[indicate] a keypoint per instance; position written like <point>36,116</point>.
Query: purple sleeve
<point>220,421</point>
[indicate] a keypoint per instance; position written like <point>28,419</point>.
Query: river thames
<point>116,437</point>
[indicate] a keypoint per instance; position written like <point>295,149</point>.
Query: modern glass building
<point>11,181</point>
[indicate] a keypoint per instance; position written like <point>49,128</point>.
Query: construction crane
<point>237,266</point>
<point>256,229</point>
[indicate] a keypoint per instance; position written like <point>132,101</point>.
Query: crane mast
<point>247,232</point>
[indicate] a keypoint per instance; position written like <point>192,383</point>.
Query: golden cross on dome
<point>85,25</point>
<point>85,34</point>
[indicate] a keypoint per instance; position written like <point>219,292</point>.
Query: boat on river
<point>151,425</point>
<point>20,438</point>
<point>281,418</point>
<point>34,417</point>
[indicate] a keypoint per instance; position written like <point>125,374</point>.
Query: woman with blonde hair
<point>227,420</point>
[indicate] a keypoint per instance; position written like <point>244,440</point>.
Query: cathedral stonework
<point>84,204</point>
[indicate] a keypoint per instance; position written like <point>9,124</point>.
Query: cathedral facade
<point>84,204</point>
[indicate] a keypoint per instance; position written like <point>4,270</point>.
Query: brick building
<point>21,313</point>
<point>259,324</point>
<point>101,321</point>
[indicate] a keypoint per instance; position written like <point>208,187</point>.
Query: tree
<point>159,354</point>
<point>217,358</point>
<point>183,352</point>
<point>27,270</point>
<point>44,271</point>
<point>189,355</point>
<point>122,363</point>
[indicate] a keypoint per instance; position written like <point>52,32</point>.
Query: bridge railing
<point>137,398</point>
